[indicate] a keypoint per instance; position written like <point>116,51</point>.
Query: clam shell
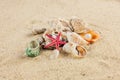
<point>90,36</point>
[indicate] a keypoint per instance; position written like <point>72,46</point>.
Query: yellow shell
<point>81,51</point>
<point>90,36</point>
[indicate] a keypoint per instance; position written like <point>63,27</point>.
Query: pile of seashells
<point>75,32</point>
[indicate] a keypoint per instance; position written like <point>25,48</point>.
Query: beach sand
<point>17,17</point>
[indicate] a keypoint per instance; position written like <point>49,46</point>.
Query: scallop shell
<point>74,49</point>
<point>78,25</point>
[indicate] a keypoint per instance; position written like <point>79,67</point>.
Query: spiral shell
<point>74,49</point>
<point>75,38</point>
<point>33,49</point>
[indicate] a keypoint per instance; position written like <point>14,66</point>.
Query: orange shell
<point>93,36</point>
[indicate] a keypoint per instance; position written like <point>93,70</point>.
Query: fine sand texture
<point>17,17</point>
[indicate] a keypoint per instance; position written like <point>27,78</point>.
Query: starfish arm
<point>48,45</point>
<point>57,46</point>
<point>62,42</point>
<point>58,37</point>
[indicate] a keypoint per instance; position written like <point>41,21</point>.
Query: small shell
<point>33,49</point>
<point>90,36</point>
<point>38,30</point>
<point>78,25</point>
<point>76,38</point>
<point>74,49</point>
<point>66,24</point>
<point>81,51</point>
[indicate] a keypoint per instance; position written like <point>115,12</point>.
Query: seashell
<point>38,30</point>
<point>33,49</point>
<point>76,38</point>
<point>66,24</point>
<point>60,25</point>
<point>78,25</point>
<point>81,51</point>
<point>74,49</point>
<point>90,36</point>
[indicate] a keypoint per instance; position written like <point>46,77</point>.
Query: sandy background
<point>17,18</point>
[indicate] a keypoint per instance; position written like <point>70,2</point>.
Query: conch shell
<point>90,36</point>
<point>76,38</point>
<point>74,49</point>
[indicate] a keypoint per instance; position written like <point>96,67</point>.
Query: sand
<point>17,18</point>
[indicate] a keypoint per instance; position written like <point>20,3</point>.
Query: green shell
<point>33,49</point>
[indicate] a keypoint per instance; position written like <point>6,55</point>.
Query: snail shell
<point>74,49</point>
<point>75,38</point>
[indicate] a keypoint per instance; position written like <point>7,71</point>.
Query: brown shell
<point>81,51</point>
<point>38,30</point>
<point>78,25</point>
<point>75,50</point>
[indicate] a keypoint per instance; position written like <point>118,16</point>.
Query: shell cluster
<point>74,31</point>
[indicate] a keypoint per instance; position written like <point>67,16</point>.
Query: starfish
<point>56,42</point>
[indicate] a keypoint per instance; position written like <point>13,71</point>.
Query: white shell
<point>71,48</point>
<point>75,38</point>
